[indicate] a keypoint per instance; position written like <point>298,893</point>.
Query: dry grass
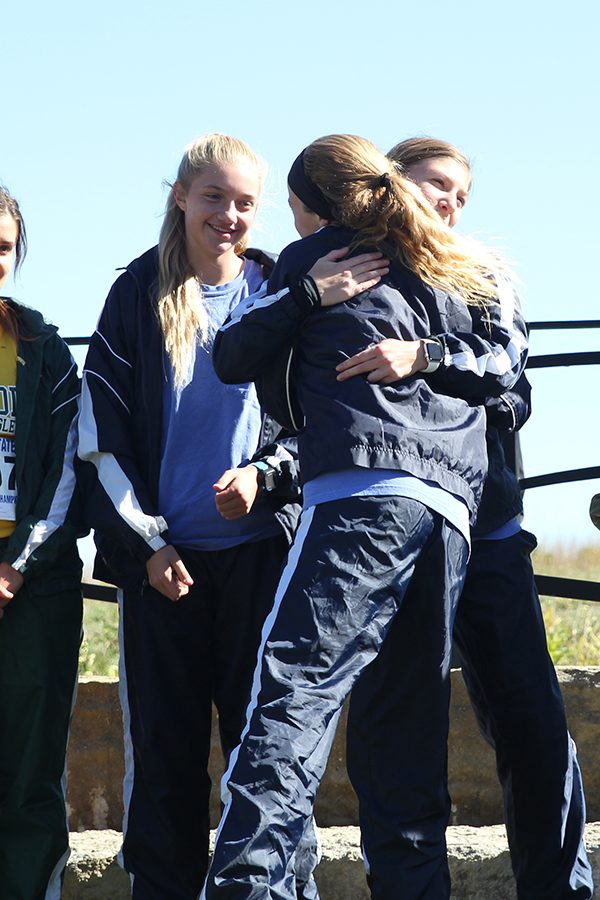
<point>99,653</point>
<point>572,626</point>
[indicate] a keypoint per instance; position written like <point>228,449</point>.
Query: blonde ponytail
<point>368,194</point>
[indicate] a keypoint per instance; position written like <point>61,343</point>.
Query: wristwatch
<point>266,475</point>
<point>434,355</point>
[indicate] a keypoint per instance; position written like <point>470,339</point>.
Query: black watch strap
<point>266,475</point>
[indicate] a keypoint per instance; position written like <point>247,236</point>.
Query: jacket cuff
<point>157,543</point>
<point>304,292</point>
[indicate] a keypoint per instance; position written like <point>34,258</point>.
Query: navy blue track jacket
<point>432,426</point>
<point>501,500</point>
<point>120,429</point>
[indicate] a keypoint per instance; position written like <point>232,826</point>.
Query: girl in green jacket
<point>40,591</point>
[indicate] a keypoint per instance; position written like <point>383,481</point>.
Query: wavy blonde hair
<point>181,312</point>
<point>368,194</point>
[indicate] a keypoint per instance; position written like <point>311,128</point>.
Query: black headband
<point>307,191</point>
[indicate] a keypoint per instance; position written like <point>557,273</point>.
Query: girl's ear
<point>179,195</point>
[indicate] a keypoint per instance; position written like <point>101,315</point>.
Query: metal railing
<point>548,585</point>
<point>552,585</point>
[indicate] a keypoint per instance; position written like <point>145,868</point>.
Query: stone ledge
<point>95,758</point>
<point>479,864</point>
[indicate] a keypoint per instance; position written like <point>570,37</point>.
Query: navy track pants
<point>40,635</point>
<point>345,582</point>
<point>512,683</point>
<point>176,659</point>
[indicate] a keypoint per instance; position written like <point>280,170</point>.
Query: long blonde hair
<point>181,312</point>
<point>368,194</point>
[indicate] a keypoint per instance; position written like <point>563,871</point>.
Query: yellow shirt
<point>8,409</point>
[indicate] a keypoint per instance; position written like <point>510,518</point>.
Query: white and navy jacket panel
<point>485,349</point>
<point>112,436</point>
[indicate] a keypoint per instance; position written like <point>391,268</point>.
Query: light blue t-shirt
<point>209,427</point>
<point>363,482</point>
<point>500,534</point>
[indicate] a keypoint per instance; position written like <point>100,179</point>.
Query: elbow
<point>229,367</point>
<point>230,373</point>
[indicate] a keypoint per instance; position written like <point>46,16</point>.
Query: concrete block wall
<point>95,758</point>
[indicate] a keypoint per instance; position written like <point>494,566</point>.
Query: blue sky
<point>101,98</point>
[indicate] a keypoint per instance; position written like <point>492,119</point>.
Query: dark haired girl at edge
<point>40,584</point>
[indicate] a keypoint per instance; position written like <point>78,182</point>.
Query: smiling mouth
<point>223,231</point>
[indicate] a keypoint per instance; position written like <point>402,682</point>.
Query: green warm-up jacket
<point>43,543</point>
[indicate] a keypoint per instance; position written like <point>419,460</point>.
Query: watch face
<point>269,481</point>
<point>433,351</point>
<point>434,355</point>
